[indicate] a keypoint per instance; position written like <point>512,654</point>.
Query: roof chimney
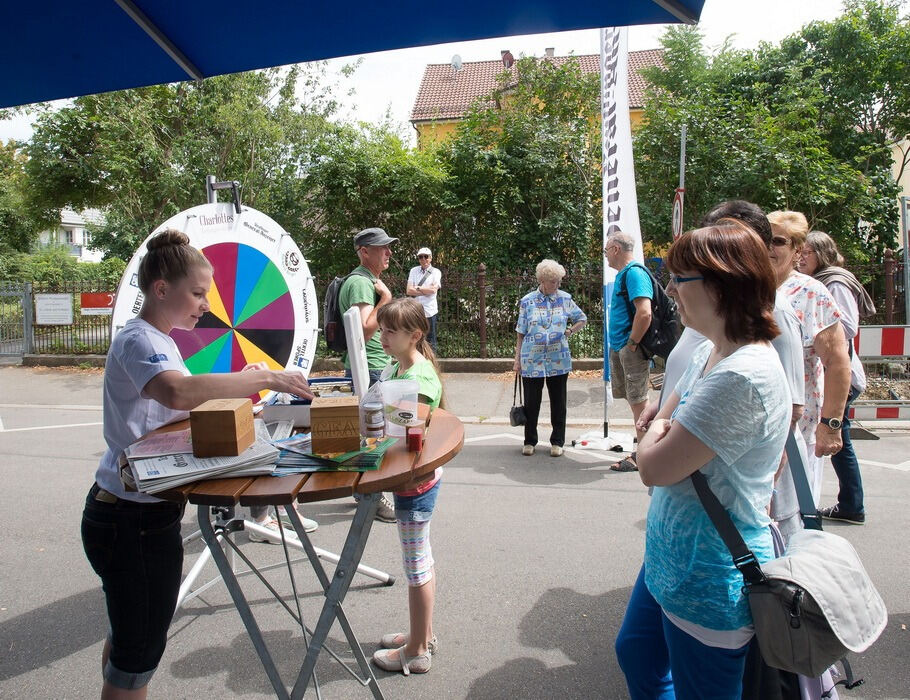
<point>549,52</point>
<point>507,58</point>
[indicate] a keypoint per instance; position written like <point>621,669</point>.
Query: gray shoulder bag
<point>813,604</point>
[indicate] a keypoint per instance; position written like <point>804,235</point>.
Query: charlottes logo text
<point>216,219</point>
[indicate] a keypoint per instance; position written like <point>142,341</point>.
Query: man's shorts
<point>629,374</point>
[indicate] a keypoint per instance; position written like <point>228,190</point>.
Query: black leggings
<point>556,390</point>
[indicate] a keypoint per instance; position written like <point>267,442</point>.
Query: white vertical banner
<point>620,201</point>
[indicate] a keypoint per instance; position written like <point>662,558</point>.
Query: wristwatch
<point>833,423</point>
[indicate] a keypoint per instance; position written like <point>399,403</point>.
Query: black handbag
<point>517,414</point>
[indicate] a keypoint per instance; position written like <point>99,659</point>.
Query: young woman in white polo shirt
<point>133,540</point>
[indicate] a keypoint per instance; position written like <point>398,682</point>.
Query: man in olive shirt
<point>367,292</point>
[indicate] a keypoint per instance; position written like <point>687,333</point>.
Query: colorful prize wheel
<point>263,301</point>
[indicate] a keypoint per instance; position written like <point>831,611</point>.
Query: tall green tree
<point>362,176</point>
<point>142,155</point>
<point>524,170</point>
<point>18,228</point>
<point>789,126</point>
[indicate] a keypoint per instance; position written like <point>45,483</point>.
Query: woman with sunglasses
<point>827,363</point>
<point>821,259</point>
<point>687,626</point>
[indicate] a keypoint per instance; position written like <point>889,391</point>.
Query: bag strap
<point>743,558</point>
<point>425,275</point>
<point>624,287</point>
<point>807,509</point>
<point>516,390</point>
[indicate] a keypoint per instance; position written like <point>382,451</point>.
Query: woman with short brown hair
<point>687,626</point>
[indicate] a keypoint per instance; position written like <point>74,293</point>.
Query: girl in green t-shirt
<point>403,330</point>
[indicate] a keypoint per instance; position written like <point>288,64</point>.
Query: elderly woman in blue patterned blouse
<point>546,319</point>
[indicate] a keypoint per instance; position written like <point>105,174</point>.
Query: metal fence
<point>15,304</point>
<point>477,310</point>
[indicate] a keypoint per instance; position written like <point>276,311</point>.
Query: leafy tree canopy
<point>142,155</point>
<point>806,125</point>
<point>524,170</point>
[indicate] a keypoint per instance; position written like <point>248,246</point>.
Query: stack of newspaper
<point>165,460</point>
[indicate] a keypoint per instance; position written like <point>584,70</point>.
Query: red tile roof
<point>445,94</point>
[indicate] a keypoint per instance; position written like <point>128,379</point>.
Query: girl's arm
<point>183,393</point>
<point>668,453</point>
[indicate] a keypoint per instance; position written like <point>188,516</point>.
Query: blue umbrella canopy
<point>60,48</point>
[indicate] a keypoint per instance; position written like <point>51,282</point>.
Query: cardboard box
<point>298,410</point>
<point>335,424</point>
<point>222,427</point>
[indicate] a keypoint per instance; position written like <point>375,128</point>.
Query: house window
<point>68,236</point>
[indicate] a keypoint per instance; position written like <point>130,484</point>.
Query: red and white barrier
<point>873,342</point>
<point>882,343</point>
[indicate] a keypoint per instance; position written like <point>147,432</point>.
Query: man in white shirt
<point>424,281</point>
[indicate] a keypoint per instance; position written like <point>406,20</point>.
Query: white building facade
<point>73,233</point>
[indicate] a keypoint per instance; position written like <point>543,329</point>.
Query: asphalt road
<point>535,559</point>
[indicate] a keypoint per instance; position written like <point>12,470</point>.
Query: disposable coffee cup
<point>399,398</point>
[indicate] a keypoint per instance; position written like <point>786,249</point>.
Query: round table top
<point>400,470</point>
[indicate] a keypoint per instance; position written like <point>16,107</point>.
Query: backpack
<point>665,327</point>
<point>332,322</point>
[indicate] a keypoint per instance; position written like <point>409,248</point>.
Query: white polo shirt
<point>430,307</point>
<point>138,354</point>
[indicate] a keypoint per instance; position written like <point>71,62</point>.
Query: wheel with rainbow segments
<point>262,300</point>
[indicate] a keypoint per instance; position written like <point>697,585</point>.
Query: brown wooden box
<point>222,427</point>
<point>335,424</point>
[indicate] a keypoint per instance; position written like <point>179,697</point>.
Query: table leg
<point>335,592</point>
<point>227,575</point>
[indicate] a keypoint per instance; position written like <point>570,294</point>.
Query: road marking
<point>902,467</point>
<point>49,427</point>
<point>496,436</point>
<point>46,406</point>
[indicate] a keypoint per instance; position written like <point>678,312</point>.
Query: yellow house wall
<point>438,131</point>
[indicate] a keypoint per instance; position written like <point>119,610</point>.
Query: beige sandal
<point>398,639</point>
<point>416,664</point>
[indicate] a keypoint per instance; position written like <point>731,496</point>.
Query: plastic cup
<point>399,398</point>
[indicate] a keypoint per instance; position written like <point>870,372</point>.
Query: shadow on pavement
<point>40,637</point>
<point>581,626</point>
<point>237,660</point>
<point>538,470</point>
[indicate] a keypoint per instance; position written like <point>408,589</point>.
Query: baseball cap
<point>373,236</point>
<point>424,251</point>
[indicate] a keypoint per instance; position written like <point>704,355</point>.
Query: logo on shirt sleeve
<point>160,357</point>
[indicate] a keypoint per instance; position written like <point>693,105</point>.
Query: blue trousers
<point>431,338</point>
<point>661,662</point>
<point>850,495</point>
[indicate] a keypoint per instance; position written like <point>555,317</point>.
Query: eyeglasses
<point>421,257</point>
<point>780,241</point>
<point>677,280</point>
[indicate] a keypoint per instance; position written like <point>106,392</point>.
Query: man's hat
<point>373,236</point>
<point>424,251</point>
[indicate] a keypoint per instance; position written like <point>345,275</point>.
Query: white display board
<point>54,309</point>
<point>357,351</point>
<point>263,300</point>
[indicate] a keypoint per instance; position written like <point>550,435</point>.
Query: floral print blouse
<point>816,310</point>
<point>543,320</point>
